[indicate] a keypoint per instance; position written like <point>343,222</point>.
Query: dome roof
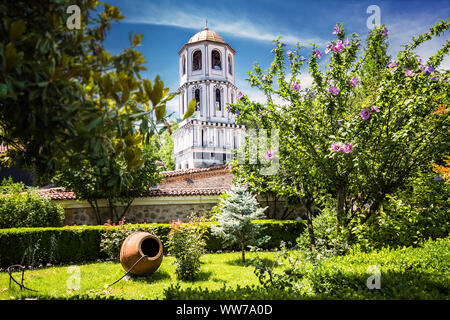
<point>206,34</point>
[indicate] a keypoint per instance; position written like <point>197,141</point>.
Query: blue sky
<point>250,26</point>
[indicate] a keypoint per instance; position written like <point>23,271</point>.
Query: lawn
<point>217,269</point>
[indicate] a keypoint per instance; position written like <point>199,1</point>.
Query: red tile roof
<point>175,173</point>
<point>61,194</point>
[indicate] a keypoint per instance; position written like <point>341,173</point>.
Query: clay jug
<point>135,246</point>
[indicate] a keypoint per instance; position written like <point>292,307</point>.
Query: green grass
<point>216,270</point>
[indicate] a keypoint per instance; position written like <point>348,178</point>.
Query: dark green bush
<point>21,207</point>
<point>252,292</point>
<point>418,213</point>
<point>33,246</point>
<point>409,273</point>
<point>86,243</point>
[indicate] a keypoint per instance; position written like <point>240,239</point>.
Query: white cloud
<point>226,23</point>
<point>404,28</point>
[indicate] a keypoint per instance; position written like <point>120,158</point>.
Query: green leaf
<point>160,112</point>
<point>191,109</point>
<point>93,124</point>
<point>17,30</point>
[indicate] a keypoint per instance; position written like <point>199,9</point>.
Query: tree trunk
<point>312,239</point>
<point>124,212</point>
<point>340,204</point>
<point>243,247</point>
<point>111,209</point>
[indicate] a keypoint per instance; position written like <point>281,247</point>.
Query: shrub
<point>186,244</point>
<point>407,273</point>
<point>330,239</point>
<point>21,208</point>
<point>252,292</point>
<point>87,243</point>
<point>33,246</point>
<point>112,236</point>
<point>410,217</point>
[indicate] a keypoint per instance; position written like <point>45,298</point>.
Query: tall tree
<point>338,141</point>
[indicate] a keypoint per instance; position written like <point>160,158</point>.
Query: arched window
<point>197,97</point>
<point>218,100</point>
<point>197,60</point>
<point>230,65</point>
<point>216,64</point>
<point>184,65</point>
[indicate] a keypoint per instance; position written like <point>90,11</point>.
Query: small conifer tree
<point>235,225</point>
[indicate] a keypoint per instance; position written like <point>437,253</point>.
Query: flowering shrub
<point>114,235</point>
<point>362,128</point>
<point>186,244</point>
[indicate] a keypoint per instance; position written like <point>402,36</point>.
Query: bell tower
<point>207,75</point>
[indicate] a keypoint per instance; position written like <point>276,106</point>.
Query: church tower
<point>207,75</point>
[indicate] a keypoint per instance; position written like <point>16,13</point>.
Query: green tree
<point>61,92</point>
<point>335,140</point>
<point>164,143</point>
<point>234,223</point>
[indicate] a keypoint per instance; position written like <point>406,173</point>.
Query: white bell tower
<point>206,74</point>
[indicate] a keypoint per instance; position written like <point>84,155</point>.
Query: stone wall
<point>160,211</point>
<point>138,214</point>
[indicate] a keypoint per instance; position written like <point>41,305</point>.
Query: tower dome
<point>206,34</point>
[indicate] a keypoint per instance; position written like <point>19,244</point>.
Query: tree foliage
<point>360,130</point>
<point>62,94</point>
<point>234,222</point>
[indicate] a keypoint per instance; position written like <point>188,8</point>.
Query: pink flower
<point>289,53</point>
<point>429,69</point>
<point>230,166</point>
<point>408,73</point>
<point>353,81</point>
<point>419,60</point>
<point>317,53</point>
<point>334,90</point>
<point>392,65</point>
<point>263,78</point>
<point>348,148</point>
<point>269,154</point>
<point>385,31</point>
<point>245,185</point>
<point>365,114</point>
<point>335,147</point>
<point>240,95</point>
<point>374,108</point>
<point>328,48</point>
<point>338,46</point>
<point>336,30</point>
<point>296,86</point>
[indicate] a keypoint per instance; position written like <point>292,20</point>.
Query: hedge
<point>33,246</point>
